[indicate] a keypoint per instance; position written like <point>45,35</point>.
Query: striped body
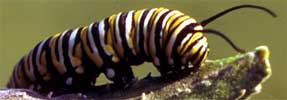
<point>74,59</point>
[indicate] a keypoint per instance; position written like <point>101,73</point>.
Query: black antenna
<point>206,21</point>
<point>225,38</point>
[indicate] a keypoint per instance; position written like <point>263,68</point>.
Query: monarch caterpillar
<point>172,41</point>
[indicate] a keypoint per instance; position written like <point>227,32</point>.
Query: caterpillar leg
<point>122,75</point>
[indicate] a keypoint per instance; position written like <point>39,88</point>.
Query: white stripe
<point>72,44</point>
<point>118,37</point>
<point>41,69</point>
<point>200,42</point>
<point>119,46</point>
<point>174,35</point>
<point>197,45</point>
<point>182,46</point>
<point>202,49</point>
<point>129,27</point>
<point>198,27</point>
<point>93,46</point>
<point>186,38</point>
<point>138,29</point>
<point>138,25</point>
<point>60,48</point>
<point>91,39</point>
<point>204,46</point>
<point>30,66</point>
<point>152,43</point>
<point>164,22</point>
<point>147,19</point>
<point>102,34</point>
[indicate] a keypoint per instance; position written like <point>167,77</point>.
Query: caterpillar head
<point>197,54</point>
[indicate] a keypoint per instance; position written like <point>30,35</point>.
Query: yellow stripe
<point>195,37</point>
<point>98,61</point>
<point>152,19</point>
<point>110,39</point>
<point>132,39</point>
<point>137,22</point>
<point>118,45</point>
<point>31,77</point>
<point>60,68</point>
<point>76,60</point>
<point>178,21</point>
<point>205,56</point>
<point>44,72</point>
<point>43,63</point>
<point>137,15</point>
<point>168,23</point>
<point>198,57</point>
<point>197,46</point>
<point>111,31</point>
<point>152,47</point>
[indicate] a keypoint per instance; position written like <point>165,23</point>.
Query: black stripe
<point>91,69</point>
<point>194,56</point>
<point>122,30</point>
<point>194,43</point>
<point>96,38</point>
<point>158,29</point>
<point>35,68</point>
<point>170,32</point>
<point>56,77</point>
<point>191,59</point>
<point>14,79</point>
<point>107,28</point>
<point>192,32</point>
<point>113,29</point>
<point>87,39</point>
<point>114,36</point>
<point>135,59</point>
<point>56,47</point>
<point>197,64</point>
<point>149,30</point>
<point>141,34</point>
<point>41,53</point>
<point>182,34</point>
<point>67,61</point>
<point>77,41</point>
<point>122,25</point>
<point>22,69</point>
<point>65,47</point>
<point>134,30</point>
<point>50,66</point>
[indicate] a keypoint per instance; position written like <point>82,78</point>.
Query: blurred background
<point>23,23</point>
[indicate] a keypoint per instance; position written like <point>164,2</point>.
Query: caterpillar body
<point>172,41</point>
